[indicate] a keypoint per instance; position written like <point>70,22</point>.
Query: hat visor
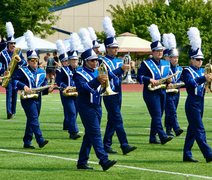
<point>33,57</point>
<point>198,57</point>
<point>92,57</point>
<point>158,48</point>
<point>11,41</point>
<point>64,59</point>
<point>73,57</point>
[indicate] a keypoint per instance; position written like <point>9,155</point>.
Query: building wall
<point>86,15</point>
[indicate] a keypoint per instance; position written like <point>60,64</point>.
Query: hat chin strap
<point>113,56</point>
<point>89,65</point>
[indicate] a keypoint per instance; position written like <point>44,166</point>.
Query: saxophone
<point>174,88</point>
<point>208,70</point>
<point>161,81</point>
<point>34,92</point>
<point>70,92</point>
<point>14,60</point>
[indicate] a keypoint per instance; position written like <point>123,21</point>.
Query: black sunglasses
<point>198,59</point>
<point>92,60</point>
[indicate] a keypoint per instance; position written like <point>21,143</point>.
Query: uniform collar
<point>155,61</point>
<point>89,69</point>
<point>109,57</point>
<point>73,69</point>
<point>31,69</point>
<point>194,67</point>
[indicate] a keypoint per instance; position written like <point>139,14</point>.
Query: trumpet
<point>34,92</point>
<point>161,81</point>
<point>127,75</point>
<point>108,91</point>
<point>208,70</point>
<point>174,87</point>
<point>70,92</point>
<point>14,60</point>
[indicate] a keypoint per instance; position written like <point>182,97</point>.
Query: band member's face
<point>112,51</point>
<point>92,63</point>
<point>73,62</point>
<point>65,63</point>
<point>157,54</point>
<point>174,60</point>
<point>33,63</point>
<point>96,49</point>
<point>196,62</point>
<point>11,46</point>
<point>167,58</point>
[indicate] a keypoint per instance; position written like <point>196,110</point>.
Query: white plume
<point>74,42</point>
<point>194,38</point>
<point>108,27</point>
<point>60,46</point>
<point>10,29</point>
<point>165,41</point>
<point>92,33</point>
<point>154,32</point>
<point>172,41</point>
<point>29,38</point>
<point>85,38</point>
<point>167,2</point>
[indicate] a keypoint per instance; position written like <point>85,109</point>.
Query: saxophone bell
<point>208,70</point>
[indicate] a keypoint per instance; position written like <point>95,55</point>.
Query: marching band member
<point>195,79</point>
<point>151,71</point>
<point>5,58</point>
<point>64,78</point>
<point>112,103</point>
<point>88,83</point>
<point>172,98</point>
<point>26,79</point>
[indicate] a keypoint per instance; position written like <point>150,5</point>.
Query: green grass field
<point>57,160</point>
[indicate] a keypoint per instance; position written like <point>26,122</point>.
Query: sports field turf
<point>57,160</point>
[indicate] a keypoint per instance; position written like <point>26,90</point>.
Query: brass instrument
<point>174,87</point>
<point>208,70</point>
<point>34,92</point>
<point>162,80</point>
<point>108,91</point>
<point>70,92</point>
<point>127,75</point>
<point>14,60</point>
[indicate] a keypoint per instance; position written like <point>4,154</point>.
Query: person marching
<point>151,71</point>
<point>172,98</point>
<point>26,79</point>
<point>88,82</point>
<point>64,79</point>
<point>5,58</point>
<point>195,79</point>
<point>112,103</point>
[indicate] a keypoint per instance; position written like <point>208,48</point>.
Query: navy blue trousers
<point>155,102</point>
<point>91,118</point>
<point>194,111</point>
<point>172,100</point>
<point>32,110</point>
<point>70,110</point>
<point>65,121</point>
<point>115,122</point>
<point>11,99</point>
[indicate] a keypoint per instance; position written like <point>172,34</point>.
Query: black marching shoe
<point>178,132</point>
<point>128,149</point>
<point>169,133</point>
<point>155,142</point>
<point>9,115</point>
<point>166,139</point>
<point>110,150</point>
<point>209,159</point>
<point>65,128</point>
<point>74,136</point>
<point>84,166</point>
<point>190,159</point>
<point>43,143</point>
<point>29,146</point>
<point>108,164</point>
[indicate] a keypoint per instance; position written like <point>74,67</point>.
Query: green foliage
<point>29,14</point>
<point>175,18</point>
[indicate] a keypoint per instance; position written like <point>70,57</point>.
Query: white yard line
<point>122,166</point>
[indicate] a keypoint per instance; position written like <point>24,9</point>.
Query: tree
<point>29,14</point>
<point>175,18</point>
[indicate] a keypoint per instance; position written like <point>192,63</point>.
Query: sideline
<point>122,166</point>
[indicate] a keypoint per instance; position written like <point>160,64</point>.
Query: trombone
<point>108,91</point>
